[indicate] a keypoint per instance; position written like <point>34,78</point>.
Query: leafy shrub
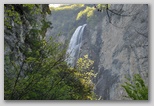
<point>137,90</point>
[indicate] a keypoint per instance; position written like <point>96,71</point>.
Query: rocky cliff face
<point>117,41</point>
<point>119,46</point>
<point>22,26</point>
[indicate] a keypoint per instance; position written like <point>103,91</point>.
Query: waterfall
<point>74,45</point>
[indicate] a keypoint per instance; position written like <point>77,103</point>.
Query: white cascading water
<point>74,46</point>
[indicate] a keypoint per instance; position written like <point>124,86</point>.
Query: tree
<point>86,74</point>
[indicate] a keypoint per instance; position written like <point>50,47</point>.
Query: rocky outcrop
<point>119,46</point>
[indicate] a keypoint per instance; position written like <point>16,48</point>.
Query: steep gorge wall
<point>119,48</point>
<point>117,42</point>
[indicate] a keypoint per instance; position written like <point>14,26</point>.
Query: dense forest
<point>36,40</point>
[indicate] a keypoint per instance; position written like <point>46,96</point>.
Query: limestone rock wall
<point>119,46</point>
<point>117,42</point>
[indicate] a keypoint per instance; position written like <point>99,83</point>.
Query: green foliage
<point>86,74</point>
<point>84,63</point>
<point>10,12</point>
<point>65,16</point>
<point>74,15</point>
<point>137,89</point>
<point>67,7</point>
<point>88,12</point>
<point>103,7</point>
<point>14,14</point>
<point>29,6</point>
<point>35,69</point>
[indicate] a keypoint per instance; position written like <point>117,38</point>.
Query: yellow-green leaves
<point>103,6</point>
<point>86,56</point>
<point>79,60</point>
<point>86,74</point>
<point>84,63</point>
<point>67,7</point>
<point>88,12</point>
